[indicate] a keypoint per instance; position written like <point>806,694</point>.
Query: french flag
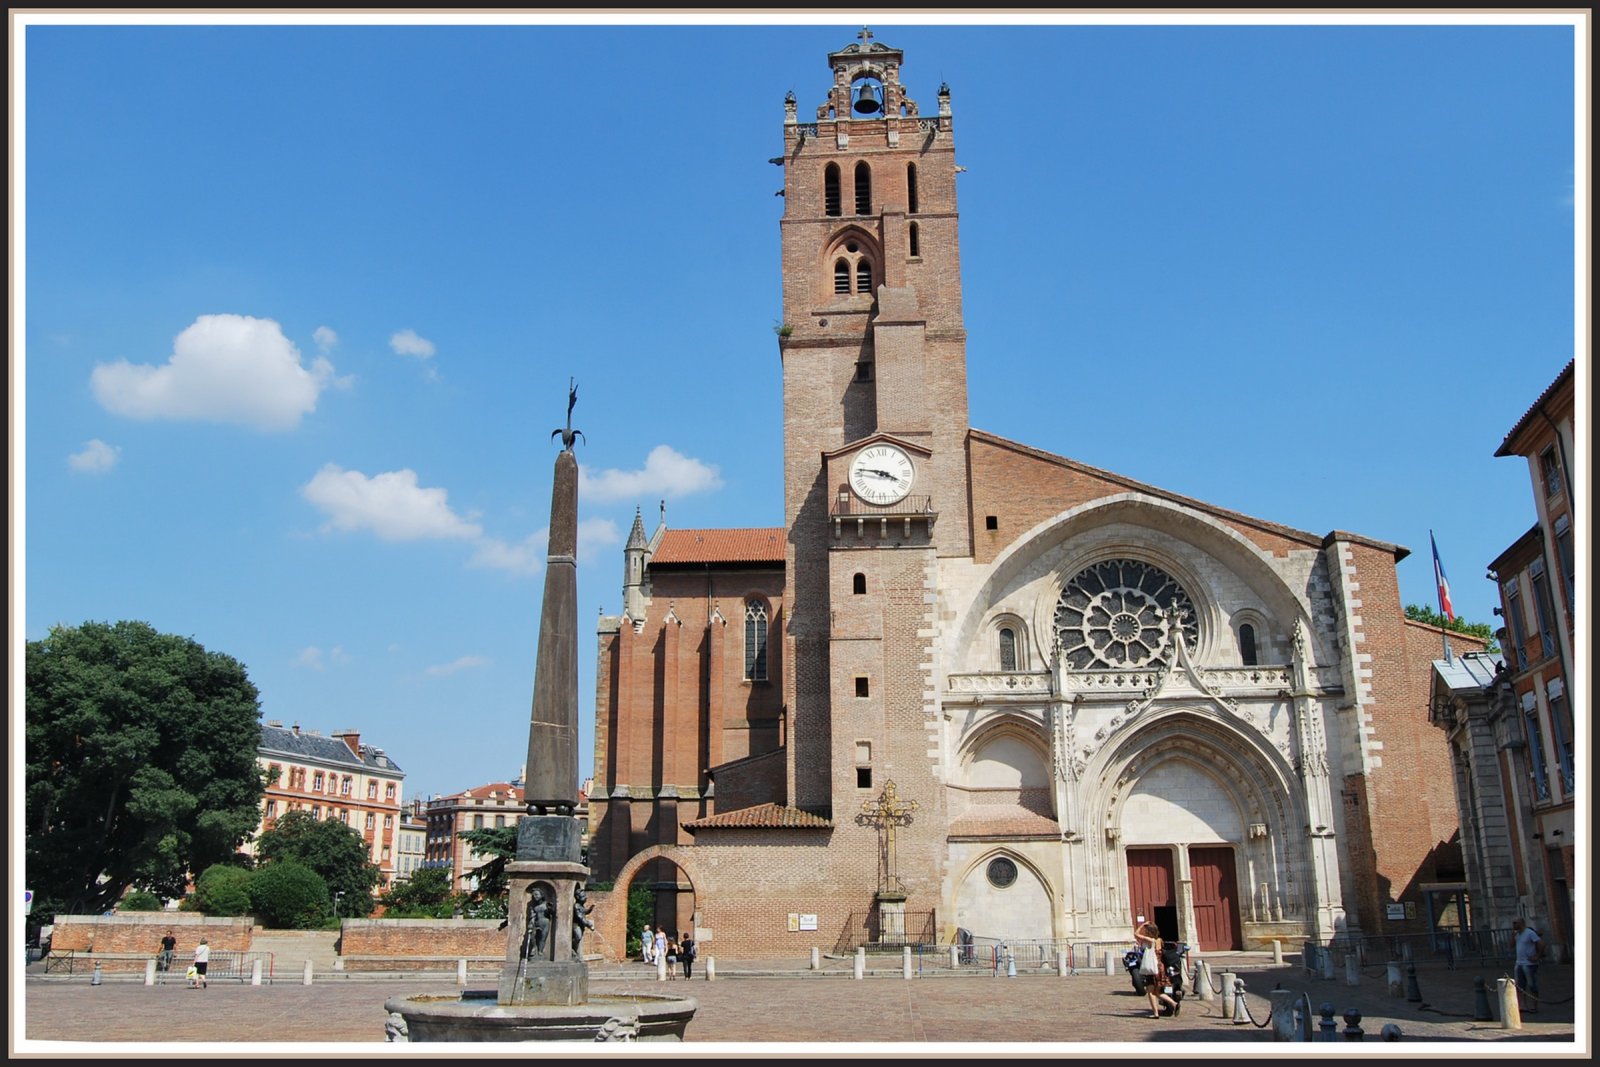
<point>1441,581</point>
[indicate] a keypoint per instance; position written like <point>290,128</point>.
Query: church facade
<point>973,686</point>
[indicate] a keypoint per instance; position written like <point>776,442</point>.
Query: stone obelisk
<point>546,913</point>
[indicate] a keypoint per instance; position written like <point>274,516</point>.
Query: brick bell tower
<point>875,420</point>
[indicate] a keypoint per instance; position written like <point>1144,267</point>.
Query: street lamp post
<point>336,897</point>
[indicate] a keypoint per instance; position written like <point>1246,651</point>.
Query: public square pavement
<point>783,1002</point>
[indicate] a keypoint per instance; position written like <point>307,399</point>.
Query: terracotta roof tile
<point>761,817</point>
<point>995,820</point>
<point>764,545</point>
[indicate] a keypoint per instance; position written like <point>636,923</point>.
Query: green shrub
<point>290,895</point>
<point>221,890</point>
<point>139,900</point>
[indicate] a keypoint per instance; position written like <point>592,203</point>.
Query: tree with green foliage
<point>333,850</point>
<point>222,889</point>
<point>488,900</point>
<point>289,895</point>
<point>425,895</point>
<point>140,763</point>
<point>140,900</point>
<point>641,910</point>
<point>1418,613</point>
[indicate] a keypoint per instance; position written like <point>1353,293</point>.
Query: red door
<point>1149,882</point>
<point>1216,895</point>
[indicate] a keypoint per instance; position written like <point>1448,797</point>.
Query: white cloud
<point>391,505</point>
<point>325,339</point>
<point>462,664</point>
<point>667,473</point>
<point>97,457</point>
<point>408,343</point>
<point>224,368</point>
<point>528,555</point>
<point>311,657</point>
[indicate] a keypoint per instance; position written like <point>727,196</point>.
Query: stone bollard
<point>1061,963</point>
<point>1241,1010</point>
<point>955,956</point>
<point>1327,1025</point>
<point>1011,964</point>
<point>1510,1010</point>
<point>1413,991</point>
<point>1397,984</point>
<point>661,968</point>
<point>1352,969</point>
<point>1202,982</point>
<point>1352,1026</point>
<point>1480,1000</point>
<point>95,978</point>
<point>1291,1019</point>
<point>816,958</point>
<point>905,962</point>
<point>1227,994</point>
<point>861,962</point>
<point>711,968</point>
<point>305,975</point>
<point>149,972</point>
<point>1325,957</point>
<point>1277,953</point>
<point>461,972</point>
<point>255,972</point>
<point>1111,963</point>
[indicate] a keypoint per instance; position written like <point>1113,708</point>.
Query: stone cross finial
<point>865,35</point>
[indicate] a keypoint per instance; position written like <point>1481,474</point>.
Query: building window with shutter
<point>863,189</point>
<point>831,203</point>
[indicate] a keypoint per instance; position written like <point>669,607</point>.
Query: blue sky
<point>302,302</point>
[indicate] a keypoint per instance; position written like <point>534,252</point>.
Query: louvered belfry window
<point>863,189</point>
<point>830,190</point>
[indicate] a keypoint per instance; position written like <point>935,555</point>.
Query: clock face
<point>882,474</point>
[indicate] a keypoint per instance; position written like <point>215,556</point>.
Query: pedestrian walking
<point>1530,949</point>
<point>647,944</point>
<point>202,961</point>
<point>169,945</point>
<point>672,958</point>
<point>686,954</point>
<point>1150,969</point>
<point>660,952</point>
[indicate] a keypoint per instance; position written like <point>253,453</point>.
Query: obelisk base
<point>545,966</point>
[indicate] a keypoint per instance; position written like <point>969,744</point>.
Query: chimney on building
<point>351,738</point>
<point>297,729</point>
<point>276,724</point>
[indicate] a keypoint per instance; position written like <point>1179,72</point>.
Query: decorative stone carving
<point>1122,613</point>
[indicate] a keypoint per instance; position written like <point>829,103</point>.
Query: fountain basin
<point>477,1015</point>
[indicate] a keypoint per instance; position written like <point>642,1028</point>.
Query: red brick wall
<point>424,941</point>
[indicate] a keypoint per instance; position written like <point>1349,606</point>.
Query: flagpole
<point>1438,589</point>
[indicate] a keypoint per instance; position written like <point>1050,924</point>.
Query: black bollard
<point>1352,1026</point>
<point>1328,1027</point>
<point>1413,993</point>
<point>1480,1000</point>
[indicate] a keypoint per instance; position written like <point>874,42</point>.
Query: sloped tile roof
<point>308,746</point>
<point>764,545</point>
<point>1507,447</point>
<point>503,790</point>
<point>761,817</point>
<point>1003,820</point>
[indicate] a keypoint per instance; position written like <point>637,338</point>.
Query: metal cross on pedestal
<point>885,813</point>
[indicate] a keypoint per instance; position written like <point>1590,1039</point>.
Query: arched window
<point>841,278</point>
<point>1247,645</point>
<point>863,189</point>
<point>916,242</point>
<point>755,640</point>
<point>1008,649</point>
<point>911,189</point>
<point>860,584</point>
<point>830,190</point>
<point>863,276</point>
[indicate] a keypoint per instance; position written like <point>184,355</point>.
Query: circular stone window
<point>1002,872</point>
<point>1123,613</point>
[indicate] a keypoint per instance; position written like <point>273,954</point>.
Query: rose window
<point>1123,613</point>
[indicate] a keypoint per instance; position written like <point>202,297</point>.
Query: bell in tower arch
<point>867,101</point>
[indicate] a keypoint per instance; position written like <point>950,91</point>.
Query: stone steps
<point>291,948</point>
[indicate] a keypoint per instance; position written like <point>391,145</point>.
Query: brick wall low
<point>385,944</point>
<point>141,932</point>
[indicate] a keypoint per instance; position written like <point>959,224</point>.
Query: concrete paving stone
<point>781,1002</point>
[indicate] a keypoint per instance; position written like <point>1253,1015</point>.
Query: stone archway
<point>611,914</point>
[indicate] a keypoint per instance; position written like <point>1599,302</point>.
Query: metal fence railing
<point>1439,946</point>
<point>861,930</point>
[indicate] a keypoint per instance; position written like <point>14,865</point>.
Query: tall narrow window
<point>911,188</point>
<point>755,641</point>
<point>863,189</point>
<point>841,278</point>
<point>1550,471</point>
<point>1530,723</point>
<point>1541,604</point>
<point>1519,636</point>
<point>1008,649</point>
<point>1564,550</point>
<point>859,584</point>
<point>1247,645</point>
<point>1561,727</point>
<point>915,243</point>
<point>830,191</point>
<point>863,277</point>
